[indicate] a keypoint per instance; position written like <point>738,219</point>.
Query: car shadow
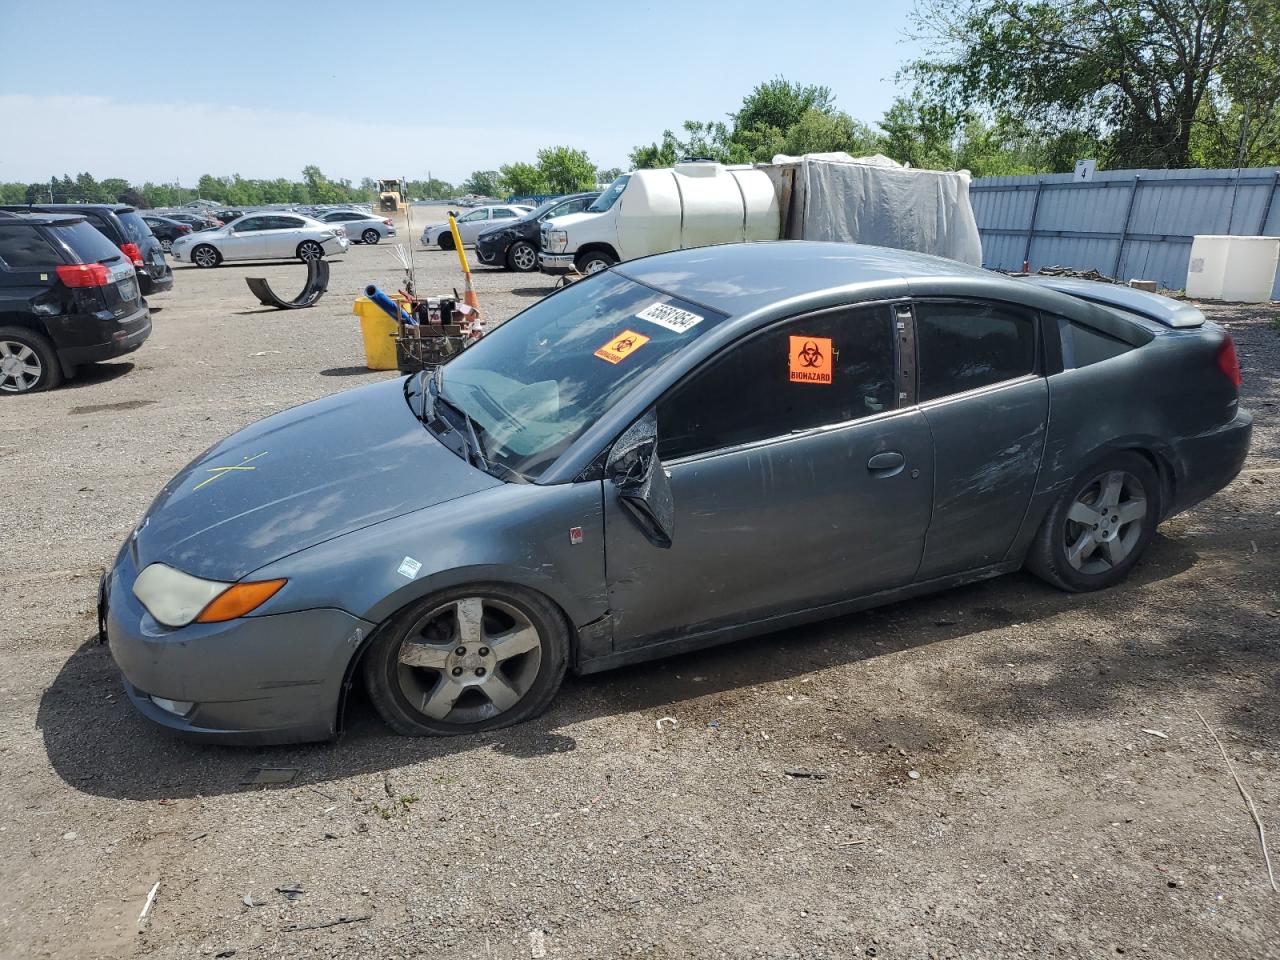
<point>92,374</point>
<point>100,745</point>
<point>534,291</point>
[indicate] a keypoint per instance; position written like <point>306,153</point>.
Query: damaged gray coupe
<point>676,452</point>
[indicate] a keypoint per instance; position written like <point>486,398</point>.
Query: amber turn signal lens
<point>239,599</point>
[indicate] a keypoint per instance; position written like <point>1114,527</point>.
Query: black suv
<point>67,296</point>
<point>515,244</point>
<point>121,224</point>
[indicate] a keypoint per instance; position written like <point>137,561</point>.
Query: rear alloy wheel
<point>1096,532</point>
<point>205,256</point>
<point>310,250</point>
<point>467,660</point>
<point>28,361</point>
<point>371,236</point>
<point>522,257</point>
<point>594,262</point>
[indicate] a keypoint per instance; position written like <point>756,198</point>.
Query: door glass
<point>809,372</point>
<point>502,213</point>
<point>253,223</point>
<point>475,215</point>
<point>968,344</point>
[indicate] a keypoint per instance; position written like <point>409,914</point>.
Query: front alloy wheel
<point>467,660</point>
<point>205,256</point>
<point>310,250</point>
<point>523,257</point>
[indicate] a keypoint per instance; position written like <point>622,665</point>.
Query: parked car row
<point>506,235</point>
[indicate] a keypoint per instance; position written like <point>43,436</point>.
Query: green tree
<point>523,179</point>
<point>656,155</point>
<point>1135,73</point>
<point>823,132</point>
<point>486,183</point>
<point>209,187</point>
<point>781,104</point>
<point>566,170</point>
<point>609,175</point>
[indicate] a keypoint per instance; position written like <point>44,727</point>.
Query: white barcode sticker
<point>672,318</point>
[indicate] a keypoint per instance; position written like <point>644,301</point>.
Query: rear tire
<point>422,686</point>
<point>1100,526</point>
<point>206,255</point>
<point>522,257</point>
<point>593,262</point>
<point>370,236</point>
<point>28,362</point>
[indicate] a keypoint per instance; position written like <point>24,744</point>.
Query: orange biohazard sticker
<point>622,346</point>
<point>810,360</point>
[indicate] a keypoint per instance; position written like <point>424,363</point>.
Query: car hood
<point>299,478</point>
<point>568,220</point>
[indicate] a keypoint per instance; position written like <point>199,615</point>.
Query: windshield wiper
<point>471,439</point>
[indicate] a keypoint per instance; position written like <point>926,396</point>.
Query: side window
<point>1082,346</point>
<point>25,248</point>
<point>475,215</point>
<point>503,213</point>
<point>283,223</point>
<point>251,224</point>
<point>100,224</point>
<point>809,372</point>
<point>964,345</point>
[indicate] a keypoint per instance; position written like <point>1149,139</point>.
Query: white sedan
<point>262,236</point>
<point>471,225</point>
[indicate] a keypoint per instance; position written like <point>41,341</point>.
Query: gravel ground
<point>965,775</point>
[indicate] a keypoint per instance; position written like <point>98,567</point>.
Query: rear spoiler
<point>1163,310</point>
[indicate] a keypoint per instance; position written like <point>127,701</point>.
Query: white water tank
<point>1241,269</point>
<point>695,204</point>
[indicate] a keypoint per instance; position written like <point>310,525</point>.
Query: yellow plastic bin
<point>379,332</point>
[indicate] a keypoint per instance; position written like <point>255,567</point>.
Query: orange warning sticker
<point>622,346</point>
<point>811,360</point>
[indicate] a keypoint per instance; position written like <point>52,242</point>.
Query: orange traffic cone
<point>468,293</point>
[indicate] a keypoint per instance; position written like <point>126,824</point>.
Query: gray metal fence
<point>1123,223</point>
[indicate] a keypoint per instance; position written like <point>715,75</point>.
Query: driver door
<point>470,226</point>
<point>795,481</point>
<point>245,241</point>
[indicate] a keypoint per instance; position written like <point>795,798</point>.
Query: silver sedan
<point>472,224</point>
<point>361,227</point>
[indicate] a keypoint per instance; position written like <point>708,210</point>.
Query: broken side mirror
<point>643,487</point>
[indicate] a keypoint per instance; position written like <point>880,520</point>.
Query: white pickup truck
<point>652,211</point>
<point>816,197</point>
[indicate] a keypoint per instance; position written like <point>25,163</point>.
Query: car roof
<point>738,278</point>
<point>55,207</point>
<point>15,219</point>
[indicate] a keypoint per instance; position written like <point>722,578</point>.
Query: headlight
<point>555,241</point>
<point>175,598</point>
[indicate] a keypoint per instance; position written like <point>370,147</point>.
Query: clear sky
<point>158,91</point>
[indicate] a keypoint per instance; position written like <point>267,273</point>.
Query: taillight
<point>131,251</point>
<point>183,228</point>
<point>388,223</point>
<point>1228,362</point>
<point>84,274</point>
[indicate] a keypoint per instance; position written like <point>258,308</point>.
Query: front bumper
<point>556,263</point>
<point>255,680</point>
<point>342,243</point>
<point>492,252</point>
<point>1207,462</point>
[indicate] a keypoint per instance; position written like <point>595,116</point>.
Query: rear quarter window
<point>1083,346</point>
<point>86,244</point>
<point>25,248</point>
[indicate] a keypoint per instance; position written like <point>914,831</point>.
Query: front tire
<point>370,236</point>
<point>522,257</point>
<point>446,241</point>
<point>466,660</point>
<point>206,256</point>
<point>1100,526</point>
<point>310,250</point>
<point>594,262</point>
<point>166,245</point>
<point>28,361</point>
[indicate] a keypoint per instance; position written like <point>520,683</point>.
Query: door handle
<point>886,464</point>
